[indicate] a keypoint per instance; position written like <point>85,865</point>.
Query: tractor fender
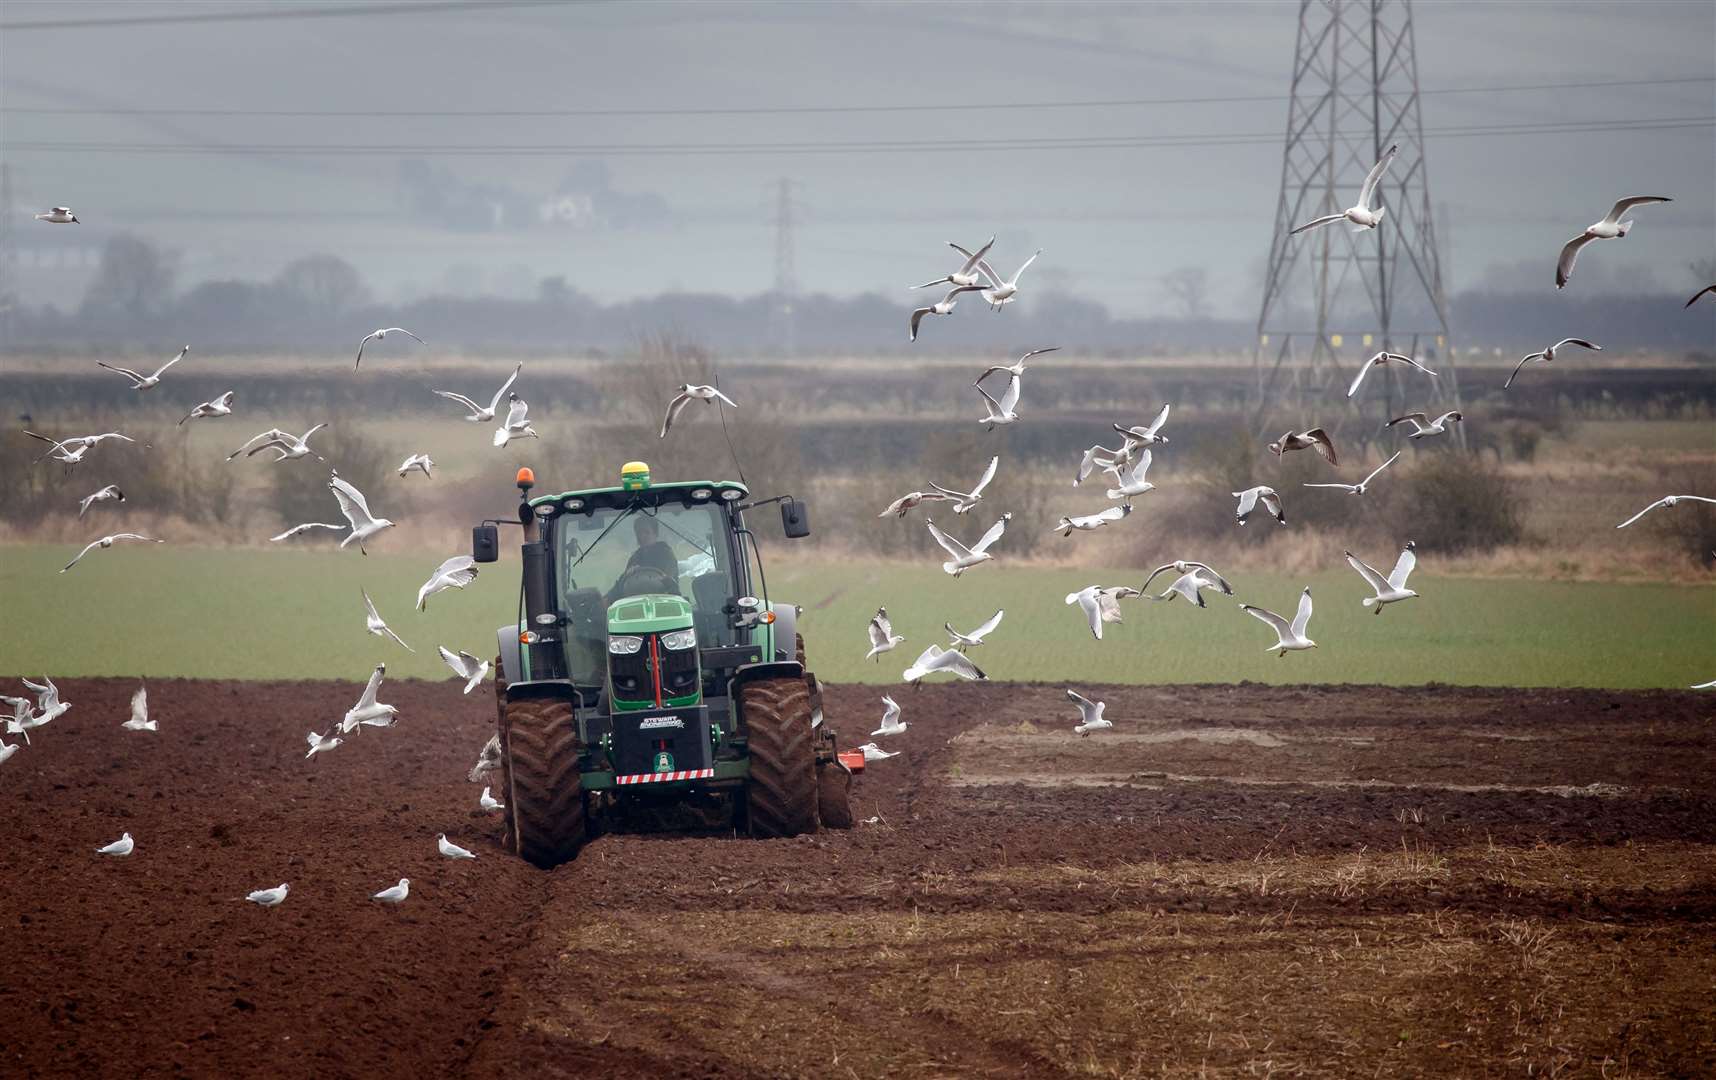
<point>507,639</point>
<point>748,673</point>
<point>556,689</point>
<point>786,630</point>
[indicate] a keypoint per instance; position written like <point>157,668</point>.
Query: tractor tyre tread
<point>781,796</point>
<point>540,754</point>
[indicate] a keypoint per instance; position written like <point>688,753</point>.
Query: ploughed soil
<point>1232,881</point>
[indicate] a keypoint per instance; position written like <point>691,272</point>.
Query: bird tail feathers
<point>1624,227</point>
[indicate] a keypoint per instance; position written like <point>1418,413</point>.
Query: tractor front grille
<point>634,676</point>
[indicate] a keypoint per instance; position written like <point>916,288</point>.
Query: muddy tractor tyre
<point>781,795</point>
<point>544,790</point>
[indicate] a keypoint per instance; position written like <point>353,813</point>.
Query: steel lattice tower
<point>1334,297</point>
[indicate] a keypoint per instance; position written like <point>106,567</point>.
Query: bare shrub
<point>1453,502</point>
<point>299,489</point>
<point>157,473</point>
<point>1689,526</point>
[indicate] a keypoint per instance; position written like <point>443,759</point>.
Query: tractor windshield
<point>614,553</point>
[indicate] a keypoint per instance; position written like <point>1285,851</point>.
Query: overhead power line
<point>828,147</point>
<point>410,7</point>
<point>788,110</point>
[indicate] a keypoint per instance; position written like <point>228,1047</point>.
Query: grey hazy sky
<point>1112,221</point>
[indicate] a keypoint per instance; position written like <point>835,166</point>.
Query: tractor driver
<point>652,553</point>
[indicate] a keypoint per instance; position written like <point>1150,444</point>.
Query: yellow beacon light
<point>634,476</point>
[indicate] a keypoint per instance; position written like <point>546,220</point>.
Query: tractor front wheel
<point>544,791</point>
<point>781,796</point>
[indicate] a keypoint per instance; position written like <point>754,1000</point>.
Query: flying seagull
<point>140,713</point>
<point>1146,436</point>
<point>1363,214</point>
<point>891,722</point>
<point>356,510</point>
<point>220,406</point>
<point>1004,411</point>
<point>1610,228</point>
<point>107,542</point>
<point>1017,367</point>
<point>140,381</point>
<point>964,558</point>
<point>688,393</point>
<point>967,275</point>
<point>1668,500</point>
<point>455,573</point>
<point>1292,636</point>
<point>373,621</point>
<point>1131,483</point>
<point>368,710</point>
<point>380,335</point>
<point>882,636</point>
<point>60,215</point>
<point>288,445</point>
<point>944,306</point>
<point>872,752</point>
<point>1186,566</point>
<point>423,463</point>
<point>935,658</point>
<point>910,500</point>
<point>1101,605</point>
<point>111,491</point>
<point>1363,485</point>
<point>1422,425</point>
<point>1388,589</point>
<point>517,424</point>
<point>1547,356</point>
<point>1087,522</point>
<point>479,414</point>
<point>1250,497</point>
<point>1383,359</point>
<point>1004,291</point>
<point>1189,585</point>
<point>71,451</point>
<point>964,501</point>
<point>320,744</point>
<point>1090,714</point>
<point>465,666</point>
<point>1305,440</point>
<point>962,642</point>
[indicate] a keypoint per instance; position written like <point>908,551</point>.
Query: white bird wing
<point>1140,469</point>
<point>1402,568</point>
<point>1091,602</point>
<point>1282,629</point>
<point>994,407</point>
<point>140,705</point>
<point>1086,707</point>
<point>1302,618</point>
<point>1418,419</point>
<point>162,370</point>
<point>1524,360</point>
<point>352,503</point>
<point>1247,502</point>
<point>1642,513</point>
<point>456,662</point>
<point>879,635</point>
<point>296,529</point>
<point>80,555</point>
<point>1314,224</point>
<point>370,690</point>
<point>1376,581</point>
<point>1379,468</point>
<point>256,441</point>
<point>1161,418</point>
<point>674,408</point>
<point>972,258</point>
<point>1581,342</point>
<point>369,608</point>
<point>1010,396</point>
<point>136,376</point>
<point>467,402</point>
<point>1569,256</point>
<point>494,403</point>
<point>949,544</point>
<point>890,710</point>
<point>715,392</point>
<point>1271,502</point>
<point>1623,205</point>
<point>992,535</point>
<point>456,572</point>
<point>1368,193</point>
<point>988,475</point>
<point>957,663</point>
<point>1022,266</point>
<point>988,627</point>
<point>1358,380</point>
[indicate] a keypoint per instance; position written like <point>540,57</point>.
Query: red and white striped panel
<point>658,777</point>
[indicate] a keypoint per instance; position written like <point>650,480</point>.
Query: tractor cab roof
<point>688,492</point>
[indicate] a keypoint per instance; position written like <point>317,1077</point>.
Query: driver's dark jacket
<point>656,555</point>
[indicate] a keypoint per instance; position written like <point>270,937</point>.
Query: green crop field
<point>246,614</point>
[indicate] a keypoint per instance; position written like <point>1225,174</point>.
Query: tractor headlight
<point>680,639</point>
<point>700,494</point>
<point>624,644</point>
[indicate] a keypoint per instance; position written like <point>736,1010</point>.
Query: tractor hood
<point>649,614</point>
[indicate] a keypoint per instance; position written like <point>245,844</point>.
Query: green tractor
<point>644,676</point>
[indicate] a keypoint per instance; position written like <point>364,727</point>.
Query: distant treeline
<point>321,303</point>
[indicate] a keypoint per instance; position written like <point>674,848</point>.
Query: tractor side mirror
<point>795,519</point>
<point>485,544</point>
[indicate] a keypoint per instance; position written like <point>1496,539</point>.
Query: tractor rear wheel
<point>544,789</point>
<point>781,796</point>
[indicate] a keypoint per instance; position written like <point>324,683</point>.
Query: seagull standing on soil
<point>882,636</point>
<point>934,659</point>
<point>1087,522</point>
<point>120,847</point>
<point>1392,588</point>
<point>1315,438</point>
<point>1666,501</point>
<point>220,406</point>
<point>7,751</point>
<point>1383,359</point>
<point>395,894</point>
<point>488,803</point>
<point>891,722</point>
<point>479,414</point>
<point>964,501</point>
<point>944,306</point>
<point>964,558</point>
<point>1131,483</point>
<point>60,215</point>
<point>455,573</point>
<point>107,542</point>
<point>1004,411</point>
<point>451,850</point>
<point>1101,605</point>
<point>1004,291</point>
<point>1422,425</point>
<point>1363,485</point>
<point>269,897</point>
<point>368,710</point>
<point>1292,635</point>
<point>140,713</point>
<point>376,625</point>
<point>423,463</point>
<point>962,642</point>
<point>111,491</point>
<point>1090,714</point>
<point>1363,214</point>
<point>967,274</point>
<point>465,666</point>
<point>381,335</point>
<point>517,424</point>
<point>688,393</point>
<point>1250,497</point>
<point>1610,228</point>
<point>1017,367</point>
<point>1547,356</point>
<point>288,445</point>
<point>140,381</point>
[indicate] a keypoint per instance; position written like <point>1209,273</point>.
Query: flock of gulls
<point>999,387</point>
